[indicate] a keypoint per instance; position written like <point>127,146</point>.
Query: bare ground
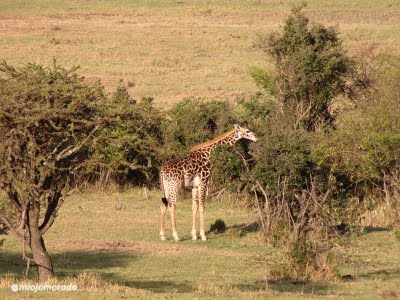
<point>136,248</point>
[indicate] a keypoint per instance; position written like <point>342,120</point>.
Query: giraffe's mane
<point>212,142</point>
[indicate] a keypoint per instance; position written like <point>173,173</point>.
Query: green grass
<point>108,244</point>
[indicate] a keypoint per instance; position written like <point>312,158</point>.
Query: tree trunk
<point>40,256</point>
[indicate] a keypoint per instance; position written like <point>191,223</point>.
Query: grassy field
<point>177,49</point>
<point>108,245</point>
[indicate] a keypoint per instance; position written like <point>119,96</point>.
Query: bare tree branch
<point>71,150</point>
<point>24,256</point>
<point>7,222</point>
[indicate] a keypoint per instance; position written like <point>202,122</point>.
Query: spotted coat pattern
<point>193,170</point>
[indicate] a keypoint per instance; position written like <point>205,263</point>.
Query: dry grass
<point>177,49</point>
<point>108,244</point>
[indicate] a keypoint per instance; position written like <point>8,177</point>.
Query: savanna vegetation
<point>293,209</point>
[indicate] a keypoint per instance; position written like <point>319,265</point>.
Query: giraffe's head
<point>243,132</point>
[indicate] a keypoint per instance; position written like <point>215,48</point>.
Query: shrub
<point>229,168</point>
<point>284,155</point>
<point>131,153</point>
<point>218,226</point>
<point>397,234</point>
<point>311,69</point>
<point>49,122</point>
<point>365,145</point>
<point>194,121</point>
<point>3,231</point>
<point>260,112</point>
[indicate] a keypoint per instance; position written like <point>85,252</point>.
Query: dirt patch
<point>133,247</point>
<point>137,248</point>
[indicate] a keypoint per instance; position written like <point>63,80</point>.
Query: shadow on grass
<point>68,263</point>
<point>313,288</point>
<point>243,229</point>
<point>369,229</point>
<point>72,263</point>
<point>11,264</point>
<point>290,286</point>
<point>287,286</point>
<point>383,274</point>
<point>159,286</point>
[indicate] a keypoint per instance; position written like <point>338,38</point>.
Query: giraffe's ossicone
<point>194,170</point>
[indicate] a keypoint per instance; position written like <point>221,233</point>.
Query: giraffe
<point>194,170</point>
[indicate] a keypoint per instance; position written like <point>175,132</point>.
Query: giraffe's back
<point>196,163</point>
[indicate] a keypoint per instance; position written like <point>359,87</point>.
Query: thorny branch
<point>71,150</point>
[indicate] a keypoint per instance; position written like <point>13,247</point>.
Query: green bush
<point>283,156</point>
<point>50,121</point>
<point>397,234</point>
<point>133,146</point>
<point>194,121</point>
<point>365,145</point>
<point>218,226</point>
<point>3,232</point>
<point>260,112</point>
<point>229,169</point>
<point>363,154</point>
<point>311,69</point>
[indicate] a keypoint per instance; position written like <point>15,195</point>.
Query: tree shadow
<point>384,274</point>
<point>69,264</point>
<point>66,263</point>
<point>313,288</point>
<point>154,286</point>
<point>77,261</point>
<point>161,286</point>
<point>243,229</point>
<point>11,264</point>
<point>287,286</point>
<point>369,229</point>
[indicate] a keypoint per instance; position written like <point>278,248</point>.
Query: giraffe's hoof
<point>203,238</point>
<point>162,235</point>
<point>194,238</point>
<point>176,238</point>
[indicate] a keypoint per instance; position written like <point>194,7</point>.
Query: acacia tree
<point>311,69</point>
<point>50,120</point>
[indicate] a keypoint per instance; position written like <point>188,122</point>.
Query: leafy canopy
<point>311,69</point>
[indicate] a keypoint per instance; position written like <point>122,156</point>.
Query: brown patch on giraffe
<point>212,142</point>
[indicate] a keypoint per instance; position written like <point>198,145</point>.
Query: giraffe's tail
<point>163,198</point>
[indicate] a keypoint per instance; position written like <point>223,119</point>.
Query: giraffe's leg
<point>171,203</point>
<point>163,217</point>
<point>173,221</point>
<point>202,194</point>
<point>195,205</point>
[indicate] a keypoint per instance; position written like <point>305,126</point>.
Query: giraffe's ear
<point>237,127</point>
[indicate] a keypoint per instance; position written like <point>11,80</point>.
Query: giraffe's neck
<point>228,138</point>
